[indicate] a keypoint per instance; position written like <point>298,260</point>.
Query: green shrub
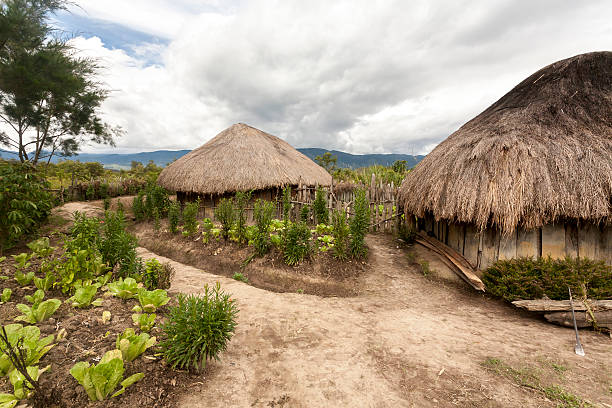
<point>157,275</point>
<point>156,197</point>
<point>174,216</point>
<point>85,232</point>
<point>406,233</point>
<point>198,328</point>
<point>241,199</point>
<point>263,213</point>
<point>305,214</point>
<point>90,193</point>
<point>24,202</point>
<point>156,220</point>
<point>78,266</point>
<point>340,232</point>
<point>529,278</point>
<point>359,225</point>
<point>319,207</point>
<point>297,243</point>
<point>117,246</point>
<point>138,206</point>
<point>107,203</point>
<point>239,276</point>
<point>190,218</point>
<point>226,215</point>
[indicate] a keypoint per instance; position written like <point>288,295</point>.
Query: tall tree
<point>49,97</point>
<point>327,161</point>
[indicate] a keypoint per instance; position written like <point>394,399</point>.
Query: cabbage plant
<point>84,297</point>
<point>124,288</point>
<point>102,379</point>
<point>144,321</point>
<point>33,346</point>
<point>40,310</point>
<point>150,300</point>
<point>132,345</point>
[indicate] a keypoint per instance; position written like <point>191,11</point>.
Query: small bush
<point>406,233</point>
<point>226,215</point>
<point>263,213</point>
<point>240,277</point>
<point>190,218</point>
<point>241,199</point>
<point>174,215</point>
<point>157,275</point>
<point>107,203</point>
<point>156,198</point>
<point>305,214</point>
<point>359,225</point>
<point>297,243</point>
<point>85,232</point>
<point>138,207</point>
<point>529,278</point>
<point>198,328</point>
<point>117,246</point>
<point>340,232</point>
<point>319,207</point>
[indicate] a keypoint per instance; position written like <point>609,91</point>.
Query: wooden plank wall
<point>482,249</point>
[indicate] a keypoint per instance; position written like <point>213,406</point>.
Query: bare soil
<point>404,340</point>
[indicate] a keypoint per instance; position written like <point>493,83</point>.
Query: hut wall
<point>482,249</point>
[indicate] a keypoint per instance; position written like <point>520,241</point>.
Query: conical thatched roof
<point>541,153</point>
<point>241,158</point>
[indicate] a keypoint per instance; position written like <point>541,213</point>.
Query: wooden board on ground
<point>583,319</point>
<point>453,259</point>
<point>547,305</point>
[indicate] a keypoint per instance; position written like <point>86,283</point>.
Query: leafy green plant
<point>29,341</point>
<point>324,229</point>
<point>138,207</point>
<point>25,201</point>
<point>117,246</point>
<point>132,345</point>
<point>6,295</point>
<point>41,247</point>
<point>174,216</point>
<point>45,283</point>
<point>85,232</point>
<point>79,266</point>
<point>124,288</point>
<point>297,243</point>
<point>40,310</point>
<point>156,220</point>
<point>340,231</point>
<point>226,215</point>
<point>199,328</point>
<point>529,278</point>
<point>157,275</point>
<point>305,214</point>
<point>102,379</point>
<point>84,297</point>
<point>263,213</point>
<point>151,300</point>
<point>22,386</point>
<point>190,218</point>
<point>21,264</point>
<point>240,277</point>
<point>241,199</point>
<point>327,242</point>
<point>144,321</point>
<point>24,279</point>
<point>156,199</point>
<point>319,207</point>
<point>359,225</point>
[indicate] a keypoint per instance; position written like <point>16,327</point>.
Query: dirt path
<point>407,341</point>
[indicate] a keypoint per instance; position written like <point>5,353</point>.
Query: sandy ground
<point>406,341</point>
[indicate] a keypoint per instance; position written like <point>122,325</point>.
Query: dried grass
<point>540,154</point>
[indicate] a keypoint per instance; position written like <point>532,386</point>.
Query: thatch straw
<point>540,154</point>
<point>241,158</point>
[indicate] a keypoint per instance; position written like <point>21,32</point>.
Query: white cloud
<point>360,76</point>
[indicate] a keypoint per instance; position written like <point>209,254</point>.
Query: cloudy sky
<point>358,76</point>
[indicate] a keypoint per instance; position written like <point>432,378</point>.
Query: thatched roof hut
<point>540,155</point>
<point>241,158</point>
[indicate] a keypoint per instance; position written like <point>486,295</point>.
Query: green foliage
<point>241,199</point>
<point>85,232</point>
<point>6,295</point>
<point>157,275</point>
<point>363,175</point>
<point>326,241</point>
<point>359,225</point>
<point>156,198</point>
<point>40,311</point>
<point>406,233</point>
<point>24,200</point>
<point>226,215</point>
<point>41,247</point>
<point>263,213</point>
<point>528,278</point>
<point>45,283</point>
<point>138,207</point>
<point>22,388</point>
<point>78,266</point>
<point>199,328</point>
<point>305,214</point>
<point>102,379</point>
<point>29,340</point>
<point>132,345</point>
<point>21,264</point>
<point>327,161</point>
<point>124,288</point>
<point>240,277</point>
<point>297,243</point>
<point>24,279</point>
<point>319,207</point>
<point>144,321</point>
<point>399,166</point>
<point>156,220</point>
<point>174,216</point>
<point>340,231</point>
<point>84,297</point>
<point>190,218</point>
<point>151,300</point>
<point>117,246</point>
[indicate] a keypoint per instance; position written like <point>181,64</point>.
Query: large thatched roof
<point>241,158</point>
<point>541,153</point>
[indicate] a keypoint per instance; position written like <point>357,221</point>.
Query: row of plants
<point>97,259</point>
<point>343,236</point>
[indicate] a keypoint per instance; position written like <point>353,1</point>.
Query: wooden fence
<point>382,198</point>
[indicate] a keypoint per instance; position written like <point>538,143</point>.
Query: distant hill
<point>163,157</point>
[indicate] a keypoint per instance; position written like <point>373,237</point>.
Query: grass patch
<point>530,377</point>
<point>239,276</point>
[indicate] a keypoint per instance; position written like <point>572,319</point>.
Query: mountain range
<point>119,161</point>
